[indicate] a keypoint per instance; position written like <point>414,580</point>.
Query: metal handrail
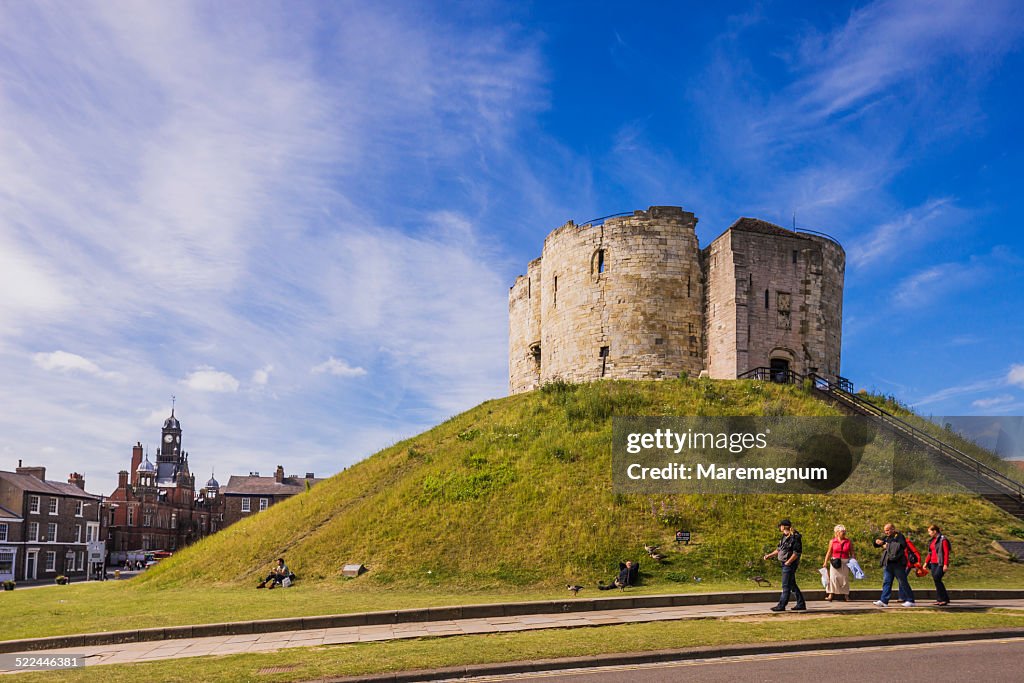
<point>602,219</point>
<point>824,385</point>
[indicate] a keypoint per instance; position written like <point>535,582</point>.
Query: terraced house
<point>45,526</point>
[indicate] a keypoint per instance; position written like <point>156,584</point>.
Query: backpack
<point>913,556</point>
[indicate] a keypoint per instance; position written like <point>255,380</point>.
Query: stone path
<point>267,642</point>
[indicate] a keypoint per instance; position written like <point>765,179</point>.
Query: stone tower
<point>634,297</point>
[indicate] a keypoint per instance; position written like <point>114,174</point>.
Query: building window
<point>147,520</point>
<point>51,560</point>
<point>79,508</point>
<point>90,532</point>
<point>69,563</point>
<point>597,265</point>
<point>33,504</point>
<point>766,299</point>
<point>78,533</point>
<point>81,560</point>
<point>554,301</point>
<point>53,506</point>
<point>603,354</point>
<point>113,517</point>
<point>33,532</point>
<point>7,562</point>
<point>245,505</point>
<point>51,532</point>
<point>795,252</point>
<point>3,532</point>
<point>131,516</point>
<point>263,504</point>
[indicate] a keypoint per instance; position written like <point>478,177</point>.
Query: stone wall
<point>635,298</point>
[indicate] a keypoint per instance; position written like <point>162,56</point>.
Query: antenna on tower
<point>173,397</point>
<point>794,230</point>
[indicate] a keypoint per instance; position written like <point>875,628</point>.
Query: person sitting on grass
<point>629,575</point>
<point>278,574</point>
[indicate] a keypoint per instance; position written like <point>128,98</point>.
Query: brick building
<point>155,506</point>
<point>244,496</point>
<point>46,526</point>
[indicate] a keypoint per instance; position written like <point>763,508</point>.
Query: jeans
<point>896,570</point>
<point>789,585</point>
<point>940,588</point>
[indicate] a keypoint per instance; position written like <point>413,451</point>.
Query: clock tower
<point>170,440</point>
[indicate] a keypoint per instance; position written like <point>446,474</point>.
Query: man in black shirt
<point>789,551</point>
<point>894,566</point>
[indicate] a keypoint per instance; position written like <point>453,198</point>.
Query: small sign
<point>683,537</point>
<point>96,550</point>
<point>353,569</point>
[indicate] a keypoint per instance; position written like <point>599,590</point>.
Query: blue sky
<point>302,219</point>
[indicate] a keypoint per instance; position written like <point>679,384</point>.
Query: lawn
<point>379,657</point>
<point>116,606</point>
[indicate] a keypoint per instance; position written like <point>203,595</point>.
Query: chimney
<point>77,479</point>
<point>136,456</point>
<point>279,474</point>
<point>37,472</point>
<point>122,480</point>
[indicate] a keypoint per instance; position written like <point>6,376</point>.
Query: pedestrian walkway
<point>127,653</point>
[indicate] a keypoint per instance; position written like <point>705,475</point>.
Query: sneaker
<point>778,608</point>
<point>910,603</point>
<point>879,603</point>
<point>799,608</point>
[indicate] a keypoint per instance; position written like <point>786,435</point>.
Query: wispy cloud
<point>192,196</point>
<point>333,366</point>
<point>1016,375</point>
<point>993,401</point>
<point>909,231</point>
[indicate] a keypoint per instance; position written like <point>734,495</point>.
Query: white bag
<point>824,577</point>
<point>287,582</point>
<point>855,569</point>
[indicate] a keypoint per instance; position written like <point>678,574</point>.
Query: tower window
<point>554,301</point>
<point>600,260</point>
<point>687,285</point>
<point>795,252</point>
<point>603,354</point>
<point>766,298</point>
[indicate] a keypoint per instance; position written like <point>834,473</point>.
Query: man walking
<point>789,551</point>
<point>894,566</point>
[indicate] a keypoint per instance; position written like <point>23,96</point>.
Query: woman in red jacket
<point>938,562</point>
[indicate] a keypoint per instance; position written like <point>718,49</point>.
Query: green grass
<point>425,653</point>
<point>510,501</point>
<point>516,493</point>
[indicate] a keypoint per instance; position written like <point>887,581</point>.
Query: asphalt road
<point>990,661</point>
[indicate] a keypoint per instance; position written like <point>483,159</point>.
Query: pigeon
<point>658,557</point>
<point>761,581</point>
<point>575,589</point>
<point>651,549</point>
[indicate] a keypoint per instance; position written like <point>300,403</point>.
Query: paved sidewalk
<point>127,653</point>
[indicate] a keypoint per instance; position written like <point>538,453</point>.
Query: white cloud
<point>63,361</point>
<point>337,367</point>
<point>1016,375</point>
<point>896,237</point>
<point>262,376</point>
<point>210,379</point>
<point>993,401</point>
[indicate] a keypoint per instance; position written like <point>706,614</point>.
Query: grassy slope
<point>517,492</point>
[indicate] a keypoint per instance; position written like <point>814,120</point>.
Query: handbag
<point>836,563</point>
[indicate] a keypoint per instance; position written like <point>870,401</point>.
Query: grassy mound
<point>517,492</point>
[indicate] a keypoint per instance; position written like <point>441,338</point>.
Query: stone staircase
<point>973,475</point>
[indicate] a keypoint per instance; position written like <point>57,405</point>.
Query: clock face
<point>168,438</point>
